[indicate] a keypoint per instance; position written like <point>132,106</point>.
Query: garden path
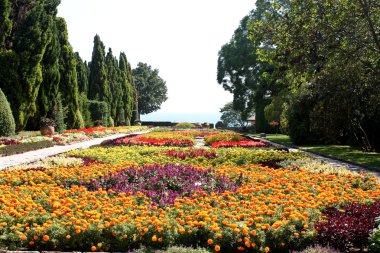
<point>33,156</point>
<point>333,162</point>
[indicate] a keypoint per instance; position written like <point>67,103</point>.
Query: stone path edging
<point>35,155</point>
<point>328,159</point>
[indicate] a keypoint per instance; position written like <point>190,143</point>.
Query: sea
<point>176,117</point>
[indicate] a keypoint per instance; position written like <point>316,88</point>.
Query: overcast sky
<point>181,38</point>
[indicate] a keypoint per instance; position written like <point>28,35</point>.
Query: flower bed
<point>223,136</point>
<point>243,144</point>
<point>268,210</point>
<point>143,141</point>
<point>125,197</point>
<point>191,153</point>
<point>163,183</point>
<point>158,155</point>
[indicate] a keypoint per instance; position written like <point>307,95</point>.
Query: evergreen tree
<point>21,61</point>
<point>49,88</point>
<point>82,74</point>
<point>7,122</point>
<point>68,85</point>
<point>129,91</point>
<point>5,22</point>
<point>98,84</point>
<point>114,80</point>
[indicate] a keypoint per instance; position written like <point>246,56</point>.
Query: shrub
<point>349,227</point>
<point>7,122</point>
<point>98,111</point>
<point>185,125</point>
<point>24,147</point>
<point>219,125</point>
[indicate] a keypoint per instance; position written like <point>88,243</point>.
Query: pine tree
<point>69,84</point>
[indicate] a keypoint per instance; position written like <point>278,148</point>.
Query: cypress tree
<point>82,74</point>
<point>98,84</point>
<point>21,61</point>
<point>7,122</point>
<point>127,88</point>
<point>68,85</point>
<point>48,92</point>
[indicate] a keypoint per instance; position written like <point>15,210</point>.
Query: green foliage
<point>84,108</point>
<point>99,111</point>
<point>240,72</point>
<point>51,75</point>
<point>99,88</point>
<point>331,49</point>
<point>5,22</point>
<point>68,84</point>
<point>24,57</point>
<point>7,122</point>
<point>129,90</point>
<point>59,114</point>
<point>151,88</point>
<point>82,74</point>
<point>231,117</point>
<point>185,125</point>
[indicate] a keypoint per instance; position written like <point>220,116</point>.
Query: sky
<point>180,38</point>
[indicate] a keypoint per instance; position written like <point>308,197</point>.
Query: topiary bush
<point>7,122</point>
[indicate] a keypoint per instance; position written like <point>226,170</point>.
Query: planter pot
<point>47,130</point>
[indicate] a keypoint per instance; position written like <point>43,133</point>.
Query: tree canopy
<point>151,88</point>
<point>313,66</point>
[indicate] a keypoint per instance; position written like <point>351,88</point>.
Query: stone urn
<point>47,130</point>
<point>47,126</point>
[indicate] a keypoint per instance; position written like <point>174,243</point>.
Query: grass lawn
<point>343,152</point>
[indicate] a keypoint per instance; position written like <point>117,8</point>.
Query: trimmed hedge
<point>24,147</point>
<point>7,122</point>
<point>158,123</point>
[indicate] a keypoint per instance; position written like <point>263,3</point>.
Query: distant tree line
<point>311,66</point>
<point>42,76</point>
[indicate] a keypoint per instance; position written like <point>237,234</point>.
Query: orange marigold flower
<point>154,238</point>
<point>217,248</point>
<point>296,234</point>
<point>23,237</point>
<point>68,236</point>
<point>210,241</point>
<point>93,248</point>
<point>31,243</point>
<point>46,238</point>
<point>266,249</point>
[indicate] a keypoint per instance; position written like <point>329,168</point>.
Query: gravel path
<point>33,156</point>
<point>333,162</point>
